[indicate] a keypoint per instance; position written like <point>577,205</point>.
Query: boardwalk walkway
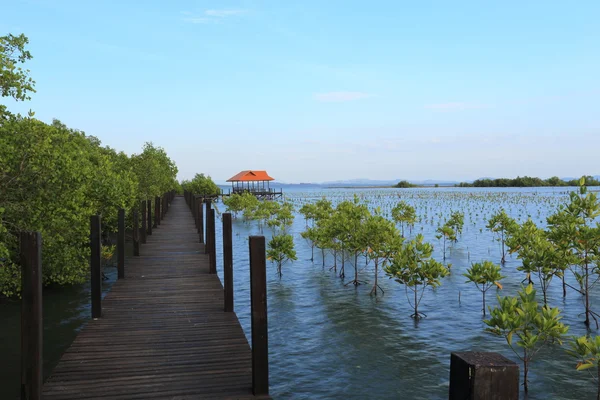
<point>163,333</point>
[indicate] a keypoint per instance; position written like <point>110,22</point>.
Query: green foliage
<point>534,326</point>
<point>484,275</point>
<point>527,181</point>
<point>383,241</point>
<point>404,185</point>
<point>14,80</point>
<point>155,171</point>
<point>502,225</point>
<point>540,257</point>
<point>403,213</point>
<point>456,222</point>
<point>576,235</point>
<point>587,351</point>
<point>446,233</point>
<point>414,268</point>
<point>280,249</point>
<point>202,185</point>
<point>52,179</point>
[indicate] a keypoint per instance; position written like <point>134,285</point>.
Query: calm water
<point>327,340</point>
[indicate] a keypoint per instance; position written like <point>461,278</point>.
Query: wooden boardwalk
<point>163,333</point>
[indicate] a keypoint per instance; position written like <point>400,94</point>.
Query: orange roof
<point>250,176</point>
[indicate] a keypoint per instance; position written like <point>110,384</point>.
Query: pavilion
<point>255,182</point>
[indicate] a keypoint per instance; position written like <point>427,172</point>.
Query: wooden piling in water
<point>258,305</point>
<point>32,327</point>
<point>227,263</point>
<point>121,243</point>
<point>96,277</point>
<point>483,376</point>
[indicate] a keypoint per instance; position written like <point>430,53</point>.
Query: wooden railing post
<point>213,243</point>
<point>156,211</point>
<point>121,244</point>
<point>258,305</point>
<point>96,278</point>
<point>227,262</point>
<point>144,226</point>
<point>200,210</point>
<point>208,238</point>
<point>136,236</point>
<point>32,327</point>
<point>482,375</point>
<point>193,206</point>
<point>149,218</point>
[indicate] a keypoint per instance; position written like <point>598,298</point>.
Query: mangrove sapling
<point>413,267</point>
<point>587,351</point>
<point>577,225</point>
<point>310,234</point>
<point>403,213</point>
<point>502,225</point>
<point>281,249</point>
<point>539,256</point>
<point>350,216</point>
<point>484,275</point>
<point>384,241</point>
<point>447,234</point>
<point>456,222</point>
<point>534,326</point>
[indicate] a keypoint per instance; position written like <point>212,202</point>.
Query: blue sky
<point>325,90</point>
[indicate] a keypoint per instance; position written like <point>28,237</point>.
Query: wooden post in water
<point>156,211</point>
<point>483,376</point>
<point>258,305</point>
<point>149,202</point>
<point>96,278</point>
<point>144,226</point>
<point>208,238</point>
<point>227,262</point>
<point>121,244</point>
<point>32,327</point>
<point>136,238</point>
<point>213,243</point>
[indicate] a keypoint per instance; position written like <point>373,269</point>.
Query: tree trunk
<point>587,294</point>
<point>416,305</point>
<point>525,371</point>
<point>483,291</point>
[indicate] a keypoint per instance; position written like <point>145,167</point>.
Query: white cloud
<point>340,96</point>
<point>456,106</point>
<point>211,16</point>
<point>224,13</point>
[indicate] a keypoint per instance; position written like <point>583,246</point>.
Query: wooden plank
<point>163,332</point>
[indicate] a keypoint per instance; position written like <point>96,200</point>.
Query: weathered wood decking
<point>163,333</point>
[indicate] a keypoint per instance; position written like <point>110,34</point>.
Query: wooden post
<point>156,211</point>
<point>227,262</point>
<point>149,202</point>
<point>96,279</point>
<point>144,226</point>
<point>258,305</point>
<point>200,210</point>
<point>193,210</point>
<point>213,243</point>
<point>32,328</point>
<point>482,375</point>
<point>136,238</point>
<point>121,244</point>
<point>208,238</point>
